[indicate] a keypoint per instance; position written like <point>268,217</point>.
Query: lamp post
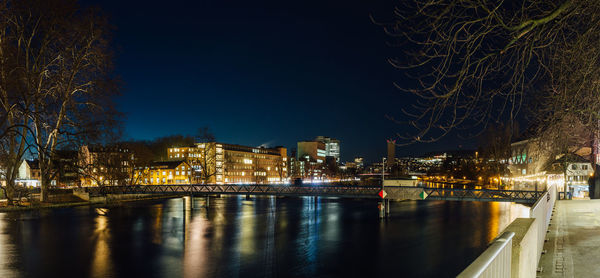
<point>383,207</point>
<point>382,172</point>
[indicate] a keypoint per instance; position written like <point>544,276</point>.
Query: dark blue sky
<point>260,72</point>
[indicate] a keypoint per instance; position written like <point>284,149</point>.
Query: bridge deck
<point>394,192</point>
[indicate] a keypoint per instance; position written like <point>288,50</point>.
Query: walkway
<point>573,245</point>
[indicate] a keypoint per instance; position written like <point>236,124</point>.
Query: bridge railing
<point>495,260</point>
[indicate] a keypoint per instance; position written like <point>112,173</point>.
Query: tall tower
<point>391,152</point>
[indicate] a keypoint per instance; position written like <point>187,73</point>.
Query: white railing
<point>495,260</point>
<point>542,211</point>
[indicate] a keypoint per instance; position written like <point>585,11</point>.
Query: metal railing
<point>332,191</point>
<point>460,194</point>
<point>495,260</point>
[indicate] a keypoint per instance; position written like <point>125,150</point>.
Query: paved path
<point>573,245</point>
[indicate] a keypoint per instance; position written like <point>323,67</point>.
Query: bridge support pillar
<point>387,206</point>
<point>381,206</point>
<point>247,197</point>
<point>207,201</point>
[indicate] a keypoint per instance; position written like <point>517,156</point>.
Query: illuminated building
<point>313,149</point>
<point>104,165</point>
<point>573,169</point>
<point>359,161</point>
<point>227,163</point>
<point>332,147</point>
<point>164,172</point>
<point>529,158</point>
<point>29,173</point>
<point>310,160</point>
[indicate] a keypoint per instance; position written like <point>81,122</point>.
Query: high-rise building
<point>391,153</point>
<point>332,147</point>
<point>314,150</point>
<point>310,160</point>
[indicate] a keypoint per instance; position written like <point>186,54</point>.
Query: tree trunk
<point>44,182</point>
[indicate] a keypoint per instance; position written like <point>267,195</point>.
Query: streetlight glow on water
<point>252,237</point>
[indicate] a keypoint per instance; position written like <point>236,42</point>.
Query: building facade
<point>104,165</point>
<point>164,172</point>
<point>313,150</point>
<point>221,163</point>
<point>332,147</point>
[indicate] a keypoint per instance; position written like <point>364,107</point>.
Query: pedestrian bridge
<point>393,192</point>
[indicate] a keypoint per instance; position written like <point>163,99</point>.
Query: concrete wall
<point>524,247</point>
<point>81,193</point>
<point>403,193</point>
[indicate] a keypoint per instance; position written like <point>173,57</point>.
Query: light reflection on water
<point>255,237</point>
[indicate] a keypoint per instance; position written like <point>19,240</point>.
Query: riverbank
<point>97,202</point>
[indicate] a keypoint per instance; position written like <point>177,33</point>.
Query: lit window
<point>177,173</point>
<point>164,173</point>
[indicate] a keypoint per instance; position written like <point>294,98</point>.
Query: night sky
<point>260,72</point>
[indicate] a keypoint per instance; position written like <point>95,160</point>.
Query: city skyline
<point>271,76</point>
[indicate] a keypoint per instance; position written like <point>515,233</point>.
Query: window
<point>584,167</point>
<point>177,173</point>
<point>573,167</point>
<point>164,173</point>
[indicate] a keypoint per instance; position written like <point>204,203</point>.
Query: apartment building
<point>104,165</point>
<point>220,163</point>
<point>164,172</point>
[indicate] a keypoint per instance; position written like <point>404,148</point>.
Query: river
<point>256,237</point>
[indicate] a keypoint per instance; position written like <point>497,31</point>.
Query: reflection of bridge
<point>393,192</point>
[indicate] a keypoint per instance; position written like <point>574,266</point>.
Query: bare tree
<point>496,141</point>
<point>105,165</point>
<point>205,163</point>
<point>64,68</point>
<point>140,159</point>
<point>477,62</point>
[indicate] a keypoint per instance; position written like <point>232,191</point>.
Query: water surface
<point>259,237</point>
